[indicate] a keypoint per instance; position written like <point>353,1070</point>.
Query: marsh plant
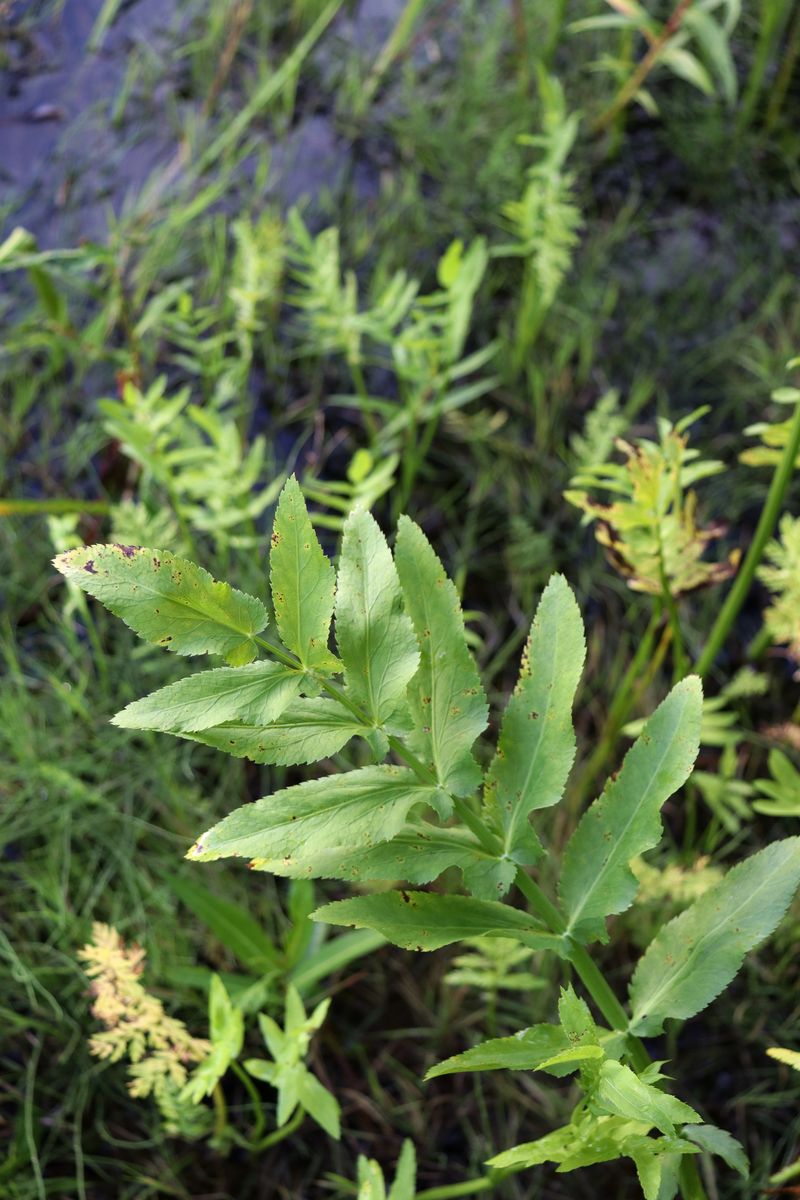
<point>401,684</point>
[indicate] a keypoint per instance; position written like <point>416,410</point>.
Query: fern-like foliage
<point>773,436</point>
<point>401,677</point>
<point>780,571</point>
<point>192,459</point>
<point>649,528</point>
<point>544,222</point>
<point>333,319</point>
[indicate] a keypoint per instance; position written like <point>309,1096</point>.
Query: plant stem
<point>278,1135</point>
<point>220,1111</point>
<point>744,577</point>
<point>469,1188</point>
<point>635,81</point>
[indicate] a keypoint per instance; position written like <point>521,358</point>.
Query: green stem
<point>220,1111</point>
<point>766,524</point>
<point>279,1135</point>
<point>361,387</point>
<point>470,1188</point>
<point>252,1091</point>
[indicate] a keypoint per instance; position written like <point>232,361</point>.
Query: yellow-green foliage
<point>781,574</point>
<point>159,1048</point>
<point>650,530</point>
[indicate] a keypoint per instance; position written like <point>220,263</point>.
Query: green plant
<point>179,1071</point>
<point>782,790</point>
<point>411,688</point>
<point>649,529</point>
<point>780,572</point>
<point>708,65</point>
<point>544,222</point>
<point>194,459</point>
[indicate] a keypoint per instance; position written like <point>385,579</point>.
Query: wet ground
<point>83,126</point>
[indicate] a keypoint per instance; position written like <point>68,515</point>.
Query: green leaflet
<point>304,732</point>
<point>693,957</point>
<point>622,1093</point>
<point>375,639</point>
<point>428,920</point>
<point>718,1141</point>
<point>168,600</point>
<point>358,808</point>
<point>226,1028</point>
<point>302,580</point>
<point>536,747</point>
<point>596,880</point>
<point>525,1051</point>
<point>592,1139</point>
<point>447,700</point>
<point>419,853</point>
<point>257,693</point>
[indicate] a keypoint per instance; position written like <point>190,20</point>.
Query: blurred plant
<point>159,1047</point>
<point>708,65</point>
<point>298,1090</point>
<point>366,482</point>
<point>774,437</point>
<point>492,966</point>
<point>780,572</point>
<point>194,458</point>
<point>782,791</point>
<point>162,1052</point>
<point>420,338</point>
<point>371,1183</point>
<point>650,532</point>
<point>544,222</point>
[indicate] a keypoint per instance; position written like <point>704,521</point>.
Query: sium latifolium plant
<point>402,679</point>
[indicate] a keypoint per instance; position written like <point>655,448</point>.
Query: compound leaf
<point>447,700</point>
<point>302,580</point>
<point>308,730</point>
<point>375,639</point>
<point>625,821</point>
<point>696,955</point>
<point>428,920</point>
<point>168,600</point>
<point>257,693</point>
<point>358,808</point>
<point>536,747</point>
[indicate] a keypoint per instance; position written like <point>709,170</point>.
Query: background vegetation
<point>435,257</point>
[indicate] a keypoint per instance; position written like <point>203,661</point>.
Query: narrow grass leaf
<point>696,955</point>
<point>446,696</point>
<point>625,821</point>
<point>168,600</point>
<point>239,933</point>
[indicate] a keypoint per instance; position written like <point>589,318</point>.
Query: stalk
<point>764,530</point>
